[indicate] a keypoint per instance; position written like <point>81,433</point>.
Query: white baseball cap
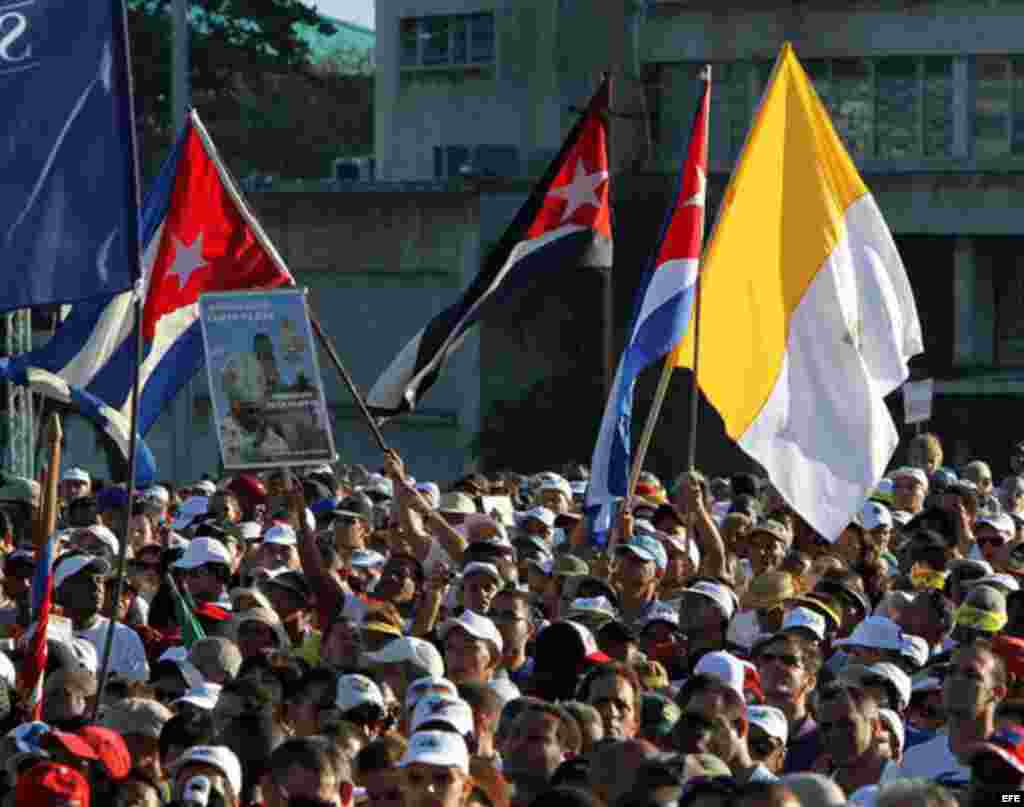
<point>105,535</point>
<point>874,514</point>
<point>1000,522</point>
<point>201,551</point>
<point>220,757</point>
<point>157,493</point>
<point>717,593</point>
<point>726,667</point>
<point>76,474</point>
<point>477,626</point>
<point>73,564</point>
<point>445,749</point>
<point>600,606</point>
<point>250,530</point>
<point>476,567</point>
<point>806,619</point>
<point>1007,581</point>
<point>367,559</point>
<point>432,493</point>
<point>660,612</point>
<point>7,671</point>
<point>900,681</point>
<point>428,684</point>
<point>281,535</point>
<point>541,514</point>
<point>453,712</point>
<point>410,650</point>
<point>356,690</point>
<point>190,509</point>
<point>204,695</point>
<point>206,486</point>
<point>556,483</point>
<point>770,720</point>
<point>877,632</point>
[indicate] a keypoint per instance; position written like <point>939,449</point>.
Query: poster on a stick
<point>268,396</point>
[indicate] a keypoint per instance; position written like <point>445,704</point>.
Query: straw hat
<point>770,590</point>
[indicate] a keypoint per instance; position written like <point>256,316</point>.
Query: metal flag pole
<point>119,571</point>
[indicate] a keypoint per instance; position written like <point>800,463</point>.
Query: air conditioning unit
<point>354,169</point>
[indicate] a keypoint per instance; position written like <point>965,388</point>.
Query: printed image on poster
<point>268,398</point>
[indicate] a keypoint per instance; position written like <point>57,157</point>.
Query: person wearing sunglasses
<point>788,666</point>
<point>992,533</point>
<point>769,733</point>
<point>714,721</point>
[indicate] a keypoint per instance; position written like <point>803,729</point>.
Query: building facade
<point>928,96</point>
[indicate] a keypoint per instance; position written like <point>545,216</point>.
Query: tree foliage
<point>253,80</point>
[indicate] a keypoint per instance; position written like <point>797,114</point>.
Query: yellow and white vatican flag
<point>807,319</point>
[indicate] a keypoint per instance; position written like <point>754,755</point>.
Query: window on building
<point>896,107</point>
<point>998,105</point>
<point>453,39</point>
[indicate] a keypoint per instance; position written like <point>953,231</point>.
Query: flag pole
<point>691,449</point>
<point>119,571</point>
<point>607,279</point>
<point>46,524</point>
<point>332,354</point>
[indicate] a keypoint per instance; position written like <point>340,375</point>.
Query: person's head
<point>359,700</point>
<point>260,632</point>
<point>909,488</point>
<point>217,765</point>
<point>472,648</point>
<point>925,452</point>
<point>639,565</point>
<point>704,613</point>
<point>68,695</point>
<point>849,722</point>
<point>712,719</point>
<point>916,792</point>
<point>589,721</point>
<point>436,770</point>
<point>305,702</point>
<point>206,569</point>
<point>980,474</point>
<point>767,543</point>
<point>224,506</point>
<point>183,731</point>
<point>351,524</point>
<point>975,683</point>
<point>510,612</point>
<point>140,721</point>
<point>997,765</point>
<point>480,582</point>
<point>399,580</point>
<point>80,585</point>
<point>614,690</point>
<point>277,550</point>
<point>993,533</point>
<point>216,657</point>
<point>542,738</point>
<point>767,737</point>
<point>486,705</point>
<point>137,791</point>
<point>788,667</point>
<point>311,769</point>
<point>376,770</point>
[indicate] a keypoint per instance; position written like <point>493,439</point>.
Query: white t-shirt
<point>127,655</point>
<point>930,760</point>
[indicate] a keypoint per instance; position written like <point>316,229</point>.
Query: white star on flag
<point>187,259</point>
<point>581,191</point>
<point>697,200</point>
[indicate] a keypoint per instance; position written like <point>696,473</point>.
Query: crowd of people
<point>331,636</point>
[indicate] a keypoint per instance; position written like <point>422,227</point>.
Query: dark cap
<point>616,631</point>
<point>111,498</point>
<point>358,505</point>
<point>292,582</point>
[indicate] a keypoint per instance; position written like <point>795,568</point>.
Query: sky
<point>357,11</point>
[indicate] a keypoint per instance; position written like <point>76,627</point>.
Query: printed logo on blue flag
<point>68,210</point>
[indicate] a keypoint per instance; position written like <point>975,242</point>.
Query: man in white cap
<point>74,483</point>
<point>909,489</point>
<point>473,651</point>
<point>206,567</point>
<point>436,765</point>
<point>206,769</point>
<point>539,522</point>
<point>555,494</point>
<point>359,700</point>
<point>97,540</point>
<point>404,660</point>
<point>768,735</point>
<point>992,533</point>
<point>278,550</point>
<point>480,582</point>
<point>79,584</point>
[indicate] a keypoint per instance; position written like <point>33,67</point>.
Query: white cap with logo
<point>445,749</point>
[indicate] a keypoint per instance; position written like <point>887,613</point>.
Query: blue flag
<point>68,197</point>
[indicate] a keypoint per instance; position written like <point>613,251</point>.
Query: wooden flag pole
<point>332,354</point>
<point>652,419</point>
<point>46,521</point>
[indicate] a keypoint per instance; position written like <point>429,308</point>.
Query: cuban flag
<point>33,666</point>
<point>661,316</point>
<point>199,237</point>
<point>564,224</point>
